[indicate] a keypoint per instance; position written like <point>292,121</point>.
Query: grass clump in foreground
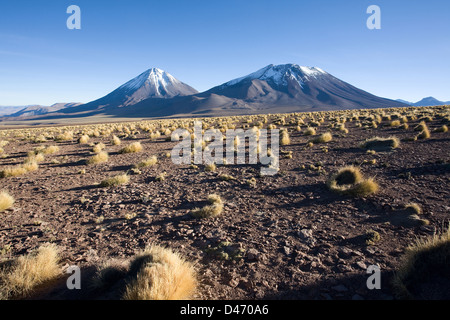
<point>323,138</point>
<point>6,201</point>
<point>132,148</point>
<point>147,162</point>
<point>20,276</point>
<point>372,237</point>
<point>160,274</point>
<point>424,272</point>
<point>100,157</point>
<point>115,181</point>
<point>350,181</point>
<point>214,209</point>
<point>381,144</point>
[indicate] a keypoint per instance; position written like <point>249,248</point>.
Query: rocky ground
<point>286,237</point>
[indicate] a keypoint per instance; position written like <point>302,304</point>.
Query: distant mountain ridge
<point>272,89</point>
<point>425,102</point>
<point>36,110</point>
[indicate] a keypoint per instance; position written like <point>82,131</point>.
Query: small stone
<point>362,265</point>
<point>252,254</point>
<point>287,250</point>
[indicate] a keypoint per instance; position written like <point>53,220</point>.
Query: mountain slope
<point>293,85</point>
<point>272,89</point>
<point>37,110</point>
<point>425,102</point>
<point>152,84</point>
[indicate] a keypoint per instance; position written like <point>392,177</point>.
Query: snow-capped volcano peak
<point>280,74</point>
<point>157,83</point>
<point>154,76</point>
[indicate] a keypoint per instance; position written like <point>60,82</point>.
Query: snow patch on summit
<point>280,74</point>
<point>154,77</point>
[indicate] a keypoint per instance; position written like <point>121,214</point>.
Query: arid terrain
<point>286,236</point>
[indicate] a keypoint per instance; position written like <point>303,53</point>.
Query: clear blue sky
<point>207,42</point>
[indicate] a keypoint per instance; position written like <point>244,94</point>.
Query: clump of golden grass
<point>395,123</point>
<point>134,147</point>
<point>83,139</point>
<point>6,201</point>
<point>50,150</point>
<point>284,138</point>
<point>30,164</point>
<point>100,157</point>
<point>380,144</point>
<point>147,162</point>
<point>115,181</point>
<point>115,141</point>
<point>226,177</point>
<point>310,131</point>
<point>350,181</point>
<point>65,136</point>
<point>209,211</point>
<point>161,274</point>
<point>425,265</point>
<point>323,138</point>
<point>413,208</point>
<point>210,167</point>
<point>372,237</point>
<point>20,276</point>
<point>421,126</point>
<point>34,157</point>
<point>443,128</point>
<point>13,171</point>
<point>424,134</point>
<point>98,147</point>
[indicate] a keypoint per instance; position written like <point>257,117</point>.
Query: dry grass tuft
<point>381,144</point>
<point>148,162</point>
<point>210,167</point>
<point>323,138</point>
<point>443,128</point>
<point>98,147</point>
<point>424,271</point>
<point>134,147</point>
<point>19,277</point>
<point>115,181</point>
<point>213,210</point>
<point>83,139</point>
<point>284,138</point>
<point>310,131</point>
<point>6,201</point>
<point>350,181</point>
<point>100,157</point>
<point>161,274</point>
<point>115,141</point>
<point>50,150</point>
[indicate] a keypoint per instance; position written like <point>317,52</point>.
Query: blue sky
<point>207,42</point>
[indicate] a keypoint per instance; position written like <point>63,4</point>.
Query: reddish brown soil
<point>301,240</point>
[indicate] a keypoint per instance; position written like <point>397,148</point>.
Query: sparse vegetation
<point>6,201</point>
<point>323,138</point>
<point>20,276</point>
<point>350,181</point>
<point>115,181</point>
<point>424,272</point>
<point>160,274</point>
<point>209,211</point>
<point>381,144</point>
<point>148,162</point>
<point>134,147</point>
<point>100,157</point>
